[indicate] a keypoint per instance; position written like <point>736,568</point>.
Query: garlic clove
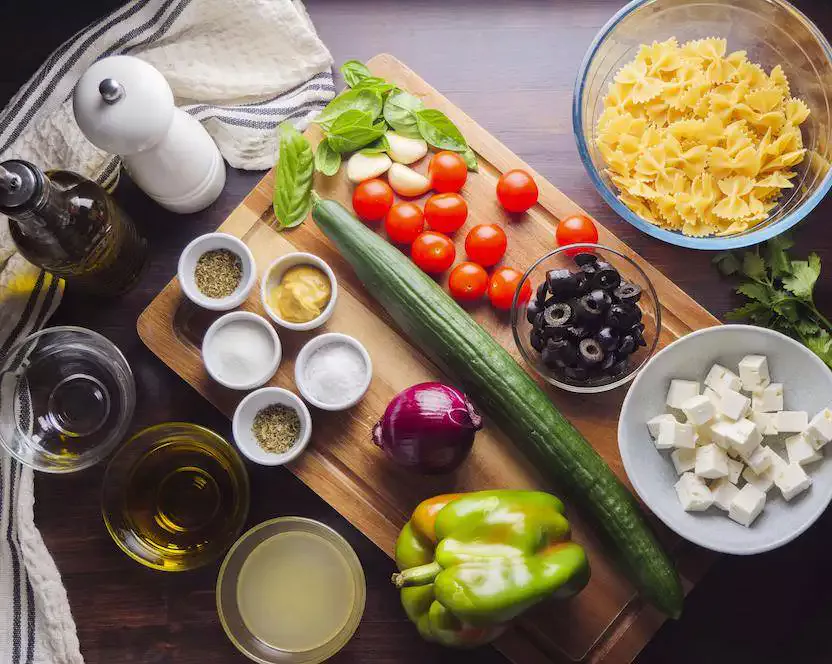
<point>405,150</point>
<point>362,167</point>
<point>407,182</point>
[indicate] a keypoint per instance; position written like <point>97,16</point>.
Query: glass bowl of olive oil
<point>290,591</point>
<point>175,496</point>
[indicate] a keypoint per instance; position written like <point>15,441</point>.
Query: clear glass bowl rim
<point>671,237</point>
<point>129,399</point>
<point>587,389</point>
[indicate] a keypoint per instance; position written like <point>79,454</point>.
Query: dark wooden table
<point>511,66</point>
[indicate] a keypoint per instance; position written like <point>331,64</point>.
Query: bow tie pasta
<point>700,141</point>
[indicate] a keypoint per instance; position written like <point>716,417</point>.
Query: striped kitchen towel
<point>241,67</point>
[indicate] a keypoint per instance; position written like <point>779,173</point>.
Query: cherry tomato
<point>468,282</point>
<point>516,191</point>
<point>486,244</point>
<point>575,229</point>
<point>446,213</point>
<point>372,199</point>
<point>447,172</point>
<point>433,252</point>
<point>404,222</point>
<point>504,283</point>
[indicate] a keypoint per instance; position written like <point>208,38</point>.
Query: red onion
<point>428,428</point>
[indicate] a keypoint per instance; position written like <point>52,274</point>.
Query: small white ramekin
<point>244,418</point>
<point>187,264</point>
<point>268,370</point>
<point>313,345</point>
<point>272,276</point>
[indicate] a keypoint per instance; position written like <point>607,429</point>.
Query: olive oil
<point>70,226</point>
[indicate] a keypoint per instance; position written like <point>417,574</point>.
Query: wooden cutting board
<point>607,622</point>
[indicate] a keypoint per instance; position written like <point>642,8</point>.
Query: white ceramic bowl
<point>244,418</point>
<point>313,345</point>
<point>187,264</point>
<point>807,385</point>
<point>275,272</point>
<point>267,370</point>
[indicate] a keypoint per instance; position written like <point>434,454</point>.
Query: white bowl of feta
<point>733,457</point>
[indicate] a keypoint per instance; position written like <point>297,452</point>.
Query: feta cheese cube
<point>754,372</point>
<point>702,435</point>
<point>744,437</point>
<point>653,423</point>
<point>699,410</point>
<point>713,395</point>
<point>765,422</point>
<point>733,404</point>
<point>747,505</point>
<point>693,493</point>
<point>763,482</point>
<point>675,434</point>
<point>819,431</point>
<point>719,378</point>
<point>800,450</point>
<point>769,399</point>
<point>680,391</point>
<point>777,462</point>
<point>792,480</point>
<point>683,460</point>
<point>723,492</point>
<point>720,432</point>
<point>734,469</point>
<point>791,421</point>
<point>711,462</point>
<point>759,460</point>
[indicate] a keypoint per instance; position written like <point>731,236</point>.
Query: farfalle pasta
<point>698,140</point>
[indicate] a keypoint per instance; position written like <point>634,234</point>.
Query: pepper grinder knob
<point>111,90</point>
<point>9,181</point>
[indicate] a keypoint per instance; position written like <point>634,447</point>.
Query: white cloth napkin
<point>241,67</point>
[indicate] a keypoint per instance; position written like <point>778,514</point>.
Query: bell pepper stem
<point>417,576</point>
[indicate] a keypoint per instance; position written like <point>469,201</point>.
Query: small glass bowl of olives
<point>593,319</point>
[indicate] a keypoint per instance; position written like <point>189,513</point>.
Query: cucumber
<point>508,395</point>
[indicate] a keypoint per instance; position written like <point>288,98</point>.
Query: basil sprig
<point>368,101</point>
<point>292,198</point>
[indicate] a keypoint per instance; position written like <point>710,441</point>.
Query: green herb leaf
<point>367,101</point>
<point>806,327</point>
<point>727,263</point>
<point>470,159</point>
<point>437,129</point>
<point>755,291</point>
<point>293,178</point>
<point>354,71</point>
<point>377,147</point>
<point>753,266</point>
<point>803,276</point>
<point>353,130</point>
<point>821,345</point>
<point>399,112</point>
<point>776,256</point>
<point>327,160</point>
<point>787,308</point>
<point>750,310</point>
<point>376,85</point>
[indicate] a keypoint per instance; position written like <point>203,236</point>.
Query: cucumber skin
<point>506,393</point>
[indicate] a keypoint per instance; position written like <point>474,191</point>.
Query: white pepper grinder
<point>125,106</point>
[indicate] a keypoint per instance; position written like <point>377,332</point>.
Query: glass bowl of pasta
<point>707,123</point>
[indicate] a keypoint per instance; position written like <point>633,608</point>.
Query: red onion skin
<point>428,428</point>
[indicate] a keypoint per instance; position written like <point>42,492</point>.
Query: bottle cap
<point>123,104</point>
<point>20,182</point>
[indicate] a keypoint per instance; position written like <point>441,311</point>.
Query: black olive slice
<point>557,315</point>
<point>584,283</point>
<point>576,373</point>
<point>607,338</point>
<point>590,352</point>
<point>561,283</point>
<point>577,332</point>
<point>627,345</point>
<point>532,309</point>
<point>536,340</point>
<point>557,353</point>
<point>567,351</point>
<point>628,292</point>
<point>607,362</point>
<point>553,332</point>
<point>540,297</point>
<point>623,316</point>
<point>605,276</point>
<point>602,298</point>
<point>585,258</point>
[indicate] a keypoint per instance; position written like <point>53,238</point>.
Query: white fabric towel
<point>241,67</point>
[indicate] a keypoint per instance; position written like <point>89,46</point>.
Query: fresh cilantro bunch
<point>780,293</point>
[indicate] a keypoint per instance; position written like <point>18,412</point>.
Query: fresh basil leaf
<point>399,112</point>
<point>353,130</point>
<point>376,85</point>
<point>803,276</point>
<point>293,178</point>
<point>327,160</point>
<point>368,101</point>
<point>354,71</point>
<point>377,147</point>
<point>470,159</point>
<point>439,131</point>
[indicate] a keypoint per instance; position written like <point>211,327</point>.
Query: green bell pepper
<point>470,563</point>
